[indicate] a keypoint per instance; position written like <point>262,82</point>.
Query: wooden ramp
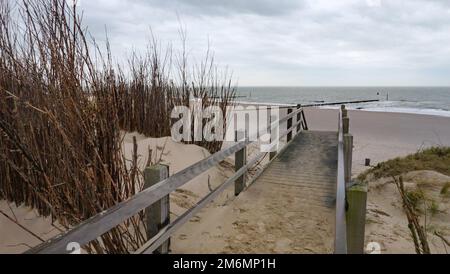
<point>291,207</point>
<point>308,167</point>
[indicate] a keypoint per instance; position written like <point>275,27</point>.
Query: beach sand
<point>218,228</point>
<point>381,136</point>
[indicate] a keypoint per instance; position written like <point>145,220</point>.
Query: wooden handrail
<point>166,232</point>
<point>101,223</point>
<point>340,245</point>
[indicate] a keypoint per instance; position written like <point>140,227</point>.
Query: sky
<point>291,43</point>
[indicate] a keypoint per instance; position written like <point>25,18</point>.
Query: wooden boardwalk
<point>308,168</point>
<point>291,206</point>
<point>295,197</point>
<point>296,205</point>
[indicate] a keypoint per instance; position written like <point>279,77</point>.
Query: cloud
<point>310,42</point>
<point>224,8</point>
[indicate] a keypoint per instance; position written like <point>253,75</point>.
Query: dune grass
<point>446,189</point>
<point>435,159</point>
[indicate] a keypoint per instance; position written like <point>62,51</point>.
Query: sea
<point>419,100</point>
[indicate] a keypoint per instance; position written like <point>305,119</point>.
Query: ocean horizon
<point>415,100</point>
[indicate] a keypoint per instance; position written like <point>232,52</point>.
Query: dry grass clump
<point>435,158</point>
<point>415,198</point>
<point>61,113</point>
<point>446,189</point>
<point>418,232</point>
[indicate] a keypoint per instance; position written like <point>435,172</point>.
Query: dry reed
<point>61,116</point>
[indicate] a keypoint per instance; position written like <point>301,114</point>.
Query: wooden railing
<point>100,224</point>
<point>343,177</point>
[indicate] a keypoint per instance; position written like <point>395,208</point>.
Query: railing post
<point>273,136</point>
<point>299,118</point>
<point>348,145</point>
<point>157,215</point>
<point>289,125</point>
<point>344,111</point>
<point>345,120</point>
<point>356,218</point>
<point>240,160</point>
<point>348,157</point>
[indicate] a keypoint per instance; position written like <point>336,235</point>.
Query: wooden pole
<point>299,118</point>
<point>240,160</point>
<point>346,125</point>
<point>356,218</point>
<point>157,215</point>
<point>345,120</point>
<point>289,125</point>
<point>272,136</point>
<point>305,123</point>
<point>348,157</point>
<point>344,111</point>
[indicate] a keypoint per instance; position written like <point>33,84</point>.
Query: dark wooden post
<point>299,118</point>
<point>345,120</point>
<point>346,125</point>
<point>289,125</point>
<point>344,111</point>
<point>240,160</point>
<point>348,145</point>
<point>157,215</point>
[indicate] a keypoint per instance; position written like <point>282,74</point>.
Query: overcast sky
<point>293,43</point>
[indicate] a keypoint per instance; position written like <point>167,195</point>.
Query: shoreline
<point>405,110</point>
<point>394,110</point>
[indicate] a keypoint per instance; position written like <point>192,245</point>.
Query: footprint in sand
<point>282,245</point>
<point>195,219</point>
<point>183,237</point>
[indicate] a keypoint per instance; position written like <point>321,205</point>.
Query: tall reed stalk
<point>62,113</point>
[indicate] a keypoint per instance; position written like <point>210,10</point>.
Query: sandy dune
<point>386,222</point>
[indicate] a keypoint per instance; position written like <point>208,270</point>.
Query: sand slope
<point>387,223</point>
<point>14,239</point>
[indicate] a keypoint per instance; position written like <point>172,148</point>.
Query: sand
<point>387,224</point>
<point>382,136</point>
<point>218,228</point>
<point>15,239</point>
